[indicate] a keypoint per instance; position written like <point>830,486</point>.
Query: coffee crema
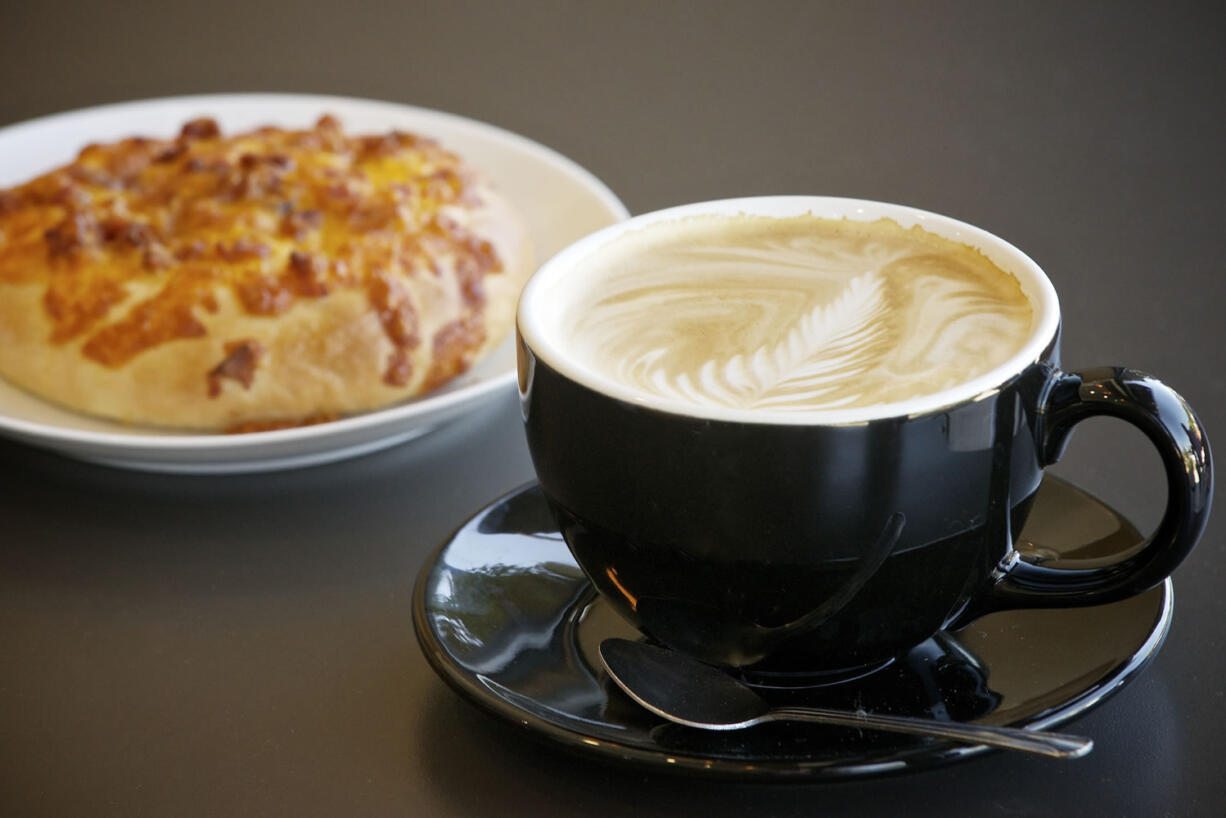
<point>792,314</point>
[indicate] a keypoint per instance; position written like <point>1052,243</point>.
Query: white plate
<point>560,201</point>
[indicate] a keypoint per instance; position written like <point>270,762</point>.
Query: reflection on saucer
<point>506,617</point>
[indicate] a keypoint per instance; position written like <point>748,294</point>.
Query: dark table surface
<point>243,645</point>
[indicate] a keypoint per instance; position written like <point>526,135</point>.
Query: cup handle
<point>1168,421</point>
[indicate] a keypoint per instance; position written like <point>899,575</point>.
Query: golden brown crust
<point>270,277</point>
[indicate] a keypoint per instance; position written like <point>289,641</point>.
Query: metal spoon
<point>688,692</point>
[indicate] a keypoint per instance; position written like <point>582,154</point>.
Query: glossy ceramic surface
<point>506,617</point>
<point>830,538</point>
<point>533,176</point>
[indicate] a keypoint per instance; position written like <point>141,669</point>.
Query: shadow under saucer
<point>506,617</point>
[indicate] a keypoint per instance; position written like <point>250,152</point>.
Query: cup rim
<point>534,301</point>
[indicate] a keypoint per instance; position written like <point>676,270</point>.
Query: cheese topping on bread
<point>264,279</point>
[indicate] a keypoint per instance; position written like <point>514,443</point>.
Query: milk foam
<point>793,314</point>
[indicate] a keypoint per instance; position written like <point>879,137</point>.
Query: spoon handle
<point>1057,745</point>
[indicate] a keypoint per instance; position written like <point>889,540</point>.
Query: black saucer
<point>506,618</point>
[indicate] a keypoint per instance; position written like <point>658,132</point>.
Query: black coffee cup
<point>833,541</point>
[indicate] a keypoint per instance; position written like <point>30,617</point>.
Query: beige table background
<point>242,646</point>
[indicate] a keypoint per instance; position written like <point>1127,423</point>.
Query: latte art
<point>793,314</point>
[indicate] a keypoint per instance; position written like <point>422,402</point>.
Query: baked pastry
<point>269,278</point>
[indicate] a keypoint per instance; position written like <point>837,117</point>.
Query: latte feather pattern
<point>789,316</point>
<point>831,342</point>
